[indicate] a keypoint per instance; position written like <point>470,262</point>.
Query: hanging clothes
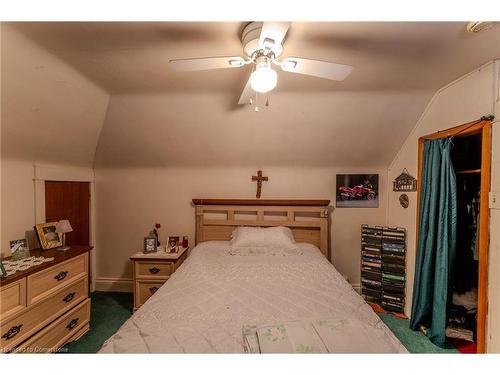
<point>475,214</point>
<point>437,234</point>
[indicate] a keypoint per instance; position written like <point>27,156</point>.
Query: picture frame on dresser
<point>150,245</point>
<point>3,273</point>
<point>19,249</point>
<point>173,244</point>
<point>48,236</point>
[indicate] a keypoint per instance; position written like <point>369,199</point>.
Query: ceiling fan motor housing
<point>250,37</point>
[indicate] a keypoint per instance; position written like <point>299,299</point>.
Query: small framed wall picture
<point>3,273</point>
<point>150,244</point>
<point>19,249</point>
<point>173,244</point>
<point>47,235</point>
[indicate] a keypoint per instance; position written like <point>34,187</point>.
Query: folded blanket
<point>318,336</point>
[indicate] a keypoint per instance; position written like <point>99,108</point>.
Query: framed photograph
<point>48,236</point>
<point>19,249</point>
<point>357,190</point>
<point>173,244</point>
<point>150,244</point>
<point>3,273</point>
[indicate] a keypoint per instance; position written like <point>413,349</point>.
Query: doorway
<point>472,164</point>
<point>71,201</point>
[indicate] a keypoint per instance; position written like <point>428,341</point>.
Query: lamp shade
<point>63,226</point>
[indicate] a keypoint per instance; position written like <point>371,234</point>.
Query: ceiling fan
<point>262,45</point>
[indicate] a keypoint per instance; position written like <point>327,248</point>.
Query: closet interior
<point>466,156</point>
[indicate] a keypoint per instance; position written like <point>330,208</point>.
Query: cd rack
<point>383,266</point>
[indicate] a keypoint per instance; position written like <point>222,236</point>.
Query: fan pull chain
<point>267,101</point>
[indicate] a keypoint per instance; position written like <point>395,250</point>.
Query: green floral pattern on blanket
<point>306,349</point>
<point>275,333</point>
<point>334,325</point>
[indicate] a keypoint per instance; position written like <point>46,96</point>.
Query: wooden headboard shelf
<point>261,202</point>
<point>308,219</point>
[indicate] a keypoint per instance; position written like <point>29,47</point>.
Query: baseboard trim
<point>113,284</point>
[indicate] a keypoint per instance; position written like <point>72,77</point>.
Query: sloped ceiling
<point>160,117</point>
<point>50,112</point>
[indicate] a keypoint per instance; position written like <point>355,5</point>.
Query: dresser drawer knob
<point>72,324</point>
<point>153,289</point>
<point>61,275</point>
<point>69,297</point>
<point>13,331</point>
<point>154,270</point>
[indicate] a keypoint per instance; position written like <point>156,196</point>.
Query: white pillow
<point>256,241</point>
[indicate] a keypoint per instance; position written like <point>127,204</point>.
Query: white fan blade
<point>247,94</point>
<point>207,63</point>
<point>275,31</point>
<point>317,68</point>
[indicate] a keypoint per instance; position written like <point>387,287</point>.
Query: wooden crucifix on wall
<point>259,178</point>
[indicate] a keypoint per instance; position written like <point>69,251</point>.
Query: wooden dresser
<point>152,270</point>
<point>46,306</point>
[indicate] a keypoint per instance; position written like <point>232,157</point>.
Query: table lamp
<point>63,227</point>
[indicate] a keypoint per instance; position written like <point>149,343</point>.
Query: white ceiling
<point>133,57</point>
<point>159,117</point>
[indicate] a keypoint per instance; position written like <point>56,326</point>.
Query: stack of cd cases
<point>371,263</point>
<point>383,266</point>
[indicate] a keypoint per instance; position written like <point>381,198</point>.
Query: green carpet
<point>110,310</point>
<point>413,341</point>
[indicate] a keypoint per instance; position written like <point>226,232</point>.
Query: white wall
<point>494,261</point>
<point>51,115</point>
<point>463,100</point>
<point>129,202</point>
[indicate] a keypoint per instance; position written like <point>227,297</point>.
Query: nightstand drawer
<point>153,270</point>
<point>12,298</point>
<point>144,290</point>
<point>46,282</point>
<point>17,329</point>
<point>59,332</point>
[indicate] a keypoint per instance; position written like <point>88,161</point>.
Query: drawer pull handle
<point>69,297</point>
<point>154,270</point>
<point>61,275</point>
<point>72,324</point>
<point>153,289</point>
<point>13,331</point>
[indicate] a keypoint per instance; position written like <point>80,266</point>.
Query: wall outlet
<point>494,200</point>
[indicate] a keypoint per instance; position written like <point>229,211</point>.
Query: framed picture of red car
<point>357,190</point>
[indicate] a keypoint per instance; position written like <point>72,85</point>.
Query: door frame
<point>482,127</point>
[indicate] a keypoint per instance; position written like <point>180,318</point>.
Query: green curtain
<point>437,233</point>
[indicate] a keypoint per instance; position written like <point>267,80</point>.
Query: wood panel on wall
<point>71,201</point>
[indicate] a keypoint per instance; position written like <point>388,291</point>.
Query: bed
<point>206,302</point>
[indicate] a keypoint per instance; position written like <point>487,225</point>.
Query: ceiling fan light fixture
<point>263,79</point>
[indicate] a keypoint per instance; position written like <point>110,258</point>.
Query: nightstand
<point>152,270</point>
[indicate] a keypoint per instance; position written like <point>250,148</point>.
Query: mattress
<point>206,302</point>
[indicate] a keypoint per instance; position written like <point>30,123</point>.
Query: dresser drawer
<point>15,330</point>
<point>59,332</point>
<point>145,289</point>
<point>153,270</point>
<point>12,298</point>
<point>46,282</point>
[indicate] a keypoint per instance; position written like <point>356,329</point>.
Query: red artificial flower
<point>157,226</point>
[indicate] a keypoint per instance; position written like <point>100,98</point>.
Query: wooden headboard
<point>308,219</point>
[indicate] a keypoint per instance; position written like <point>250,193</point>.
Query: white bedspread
<point>206,302</point>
